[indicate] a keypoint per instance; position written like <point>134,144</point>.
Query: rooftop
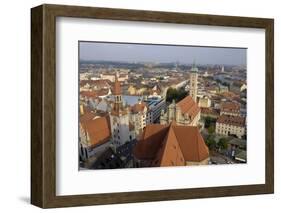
<point>97,129</point>
<point>138,107</point>
<point>230,107</point>
<point>168,145</point>
<point>231,120</point>
<point>189,106</point>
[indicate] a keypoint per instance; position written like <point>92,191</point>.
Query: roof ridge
<point>165,142</point>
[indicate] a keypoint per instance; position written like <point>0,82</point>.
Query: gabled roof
<point>167,145</point>
<point>189,106</point>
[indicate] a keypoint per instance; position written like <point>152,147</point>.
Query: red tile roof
<point>230,107</point>
<point>208,110</point>
<point>98,130</point>
<point>89,94</point>
<point>189,106</point>
<point>84,82</point>
<point>231,120</point>
<point>94,94</point>
<point>168,145</point>
<point>138,107</point>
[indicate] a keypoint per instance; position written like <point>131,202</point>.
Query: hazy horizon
<point>153,53</point>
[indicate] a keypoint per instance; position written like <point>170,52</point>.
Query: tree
<point>174,94</point>
<point>209,121</point>
<point>211,129</point>
<point>222,144</point>
<point>211,142</point>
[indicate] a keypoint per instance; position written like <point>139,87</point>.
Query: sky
<point>125,52</point>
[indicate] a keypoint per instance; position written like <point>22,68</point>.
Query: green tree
<point>211,142</point>
<point>222,144</point>
<point>211,129</point>
<point>209,121</point>
<point>174,94</point>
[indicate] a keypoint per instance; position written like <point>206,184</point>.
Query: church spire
<point>118,102</point>
<point>116,87</point>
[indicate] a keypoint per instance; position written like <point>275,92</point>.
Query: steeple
<point>118,102</point>
<point>116,87</point>
<point>193,82</point>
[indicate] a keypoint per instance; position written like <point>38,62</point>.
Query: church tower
<point>119,118</point>
<point>118,102</point>
<point>193,82</point>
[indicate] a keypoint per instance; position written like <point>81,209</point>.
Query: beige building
<point>204,102</point>
<point>231,125</point>
<point>111,77</point>
<point>186,113</point>
<point>132,90</point>
<point>138,116</point>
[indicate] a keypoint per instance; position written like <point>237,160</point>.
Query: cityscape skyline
<point>159,53</point>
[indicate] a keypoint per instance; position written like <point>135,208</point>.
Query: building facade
<point>155,105</point>
<point>138,116</point>
<point>204,102</point>
<point>231,125</point>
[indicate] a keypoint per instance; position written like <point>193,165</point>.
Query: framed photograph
<point>136,106</point>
